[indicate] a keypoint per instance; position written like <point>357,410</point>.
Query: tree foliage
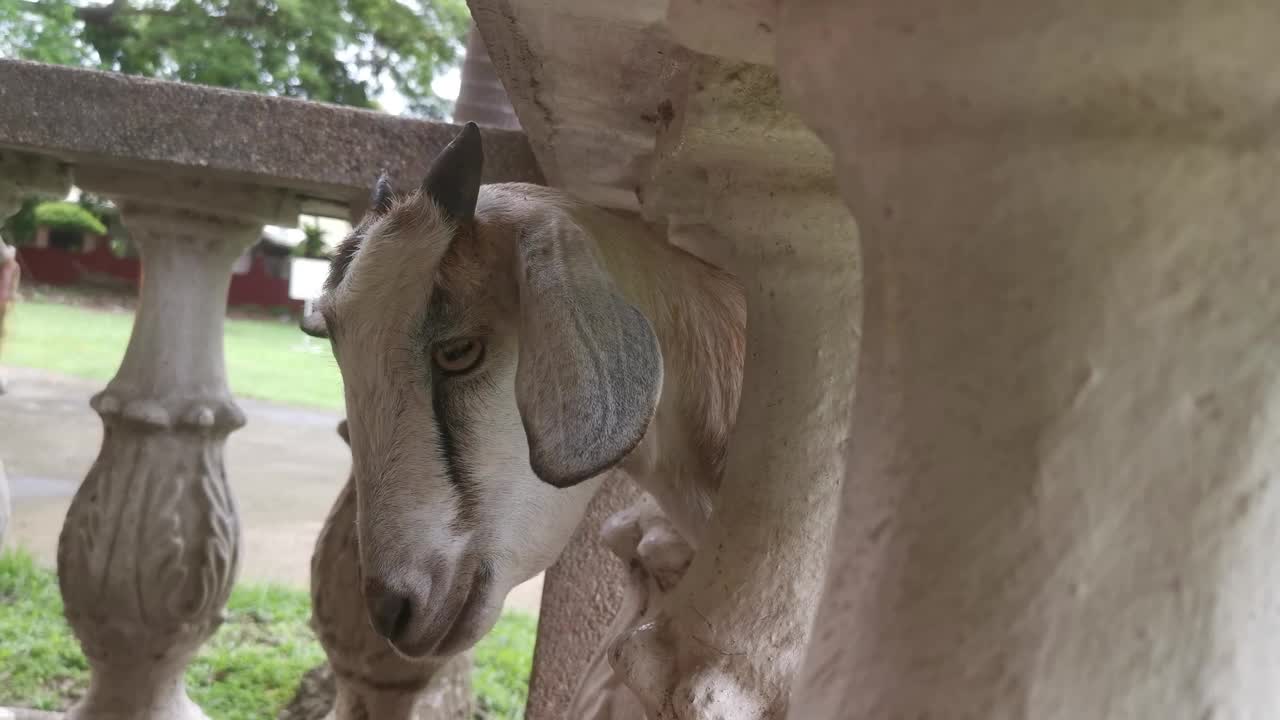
<point>340,51</point>
<point>97,215</point>
<point>68,216</point>
<point>312,245</point>
<point>20,228</point>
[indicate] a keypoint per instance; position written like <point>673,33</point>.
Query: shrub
<point>20,229</point>
<point>502,662</point>
<point>68,216</point>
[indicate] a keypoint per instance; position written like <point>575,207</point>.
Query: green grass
<point>40,662</point>
<point>248,670</point>
<point>502,661</point>
<point>256,658</point>
<point>266,359</point>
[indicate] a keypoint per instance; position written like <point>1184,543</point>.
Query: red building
<point>261,276</point>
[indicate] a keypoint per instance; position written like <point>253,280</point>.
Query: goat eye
<point>458,356</point>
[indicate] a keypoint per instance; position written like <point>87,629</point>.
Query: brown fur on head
<point>492,372</point>
<point>501,348</point>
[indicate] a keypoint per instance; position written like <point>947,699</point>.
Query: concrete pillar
<point>656,557</point>
<point>1063,500</point>
<point>148,553</point>
<point>581,595</point>
<point>733,633</point>
<point>737,626</point>
<point>482,97</point>
<point>21,175</point>
<point>149,549</point>
<point>371,680</point>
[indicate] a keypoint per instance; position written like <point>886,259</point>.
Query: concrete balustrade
<point>148,553</point>
<point>24,175</point>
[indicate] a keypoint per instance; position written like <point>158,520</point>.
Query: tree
<point>339,51</point>
<point>20,228</point>
<point>68,216</point>
<point>313,244</point>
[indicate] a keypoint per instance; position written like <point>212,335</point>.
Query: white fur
<point>407,506</point>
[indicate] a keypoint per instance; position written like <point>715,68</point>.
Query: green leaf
<point>68,216</point>
<point>337,51</point>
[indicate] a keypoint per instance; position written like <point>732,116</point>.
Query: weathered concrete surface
<point>23,174</point>
<point>322,152</point>
<point>588,82</point>
<point>450,698</point>
<point>582,593</point>
<point>726,29</point>
<point>1063,499</point>
<point>482,98</point>
<point>656,556</point>
<point>151,542</point>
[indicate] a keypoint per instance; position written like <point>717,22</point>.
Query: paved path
<point>286,466</point>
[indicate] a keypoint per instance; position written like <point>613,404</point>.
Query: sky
<point>446,86</point>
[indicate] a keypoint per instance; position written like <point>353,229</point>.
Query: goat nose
<point>389,611</point>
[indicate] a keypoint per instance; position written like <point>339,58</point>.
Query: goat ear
<point>590,369</point>
<point>314,325</point>
<point>382,197</point>
<point>453,180</point>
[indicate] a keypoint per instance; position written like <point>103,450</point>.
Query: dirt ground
<point>286,466</point>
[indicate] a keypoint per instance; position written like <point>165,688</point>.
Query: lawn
<point>267,359</point>
<point>252,665</point>
<point>249,670</point>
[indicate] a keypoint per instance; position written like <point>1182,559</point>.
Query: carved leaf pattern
<point>160,546</point>
<point>149,550</point>
<point>335,578</point>
<point>85,545</point>
<point>223,540</point>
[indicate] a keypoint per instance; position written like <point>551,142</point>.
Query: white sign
<point>306,277</point>
<point>239,267</point>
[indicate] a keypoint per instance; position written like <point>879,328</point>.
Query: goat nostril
<point>389,611</point>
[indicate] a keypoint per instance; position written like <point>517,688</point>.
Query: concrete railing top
<point>322,152</point>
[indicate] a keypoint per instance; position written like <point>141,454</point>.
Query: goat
<point>502,348</point>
